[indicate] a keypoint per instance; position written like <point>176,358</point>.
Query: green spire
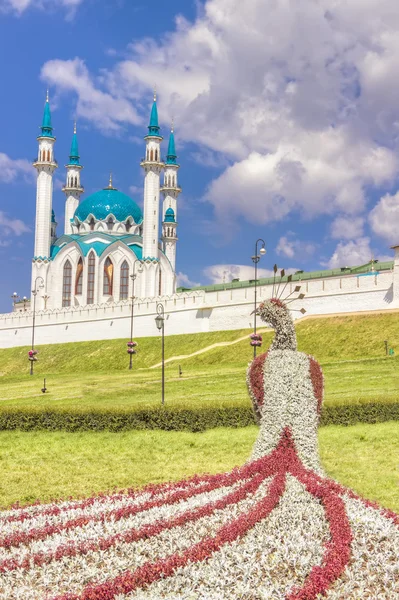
<point>171,155</point>
<point>153,127</point>
<point>74,154</point>
<point>47,129</point>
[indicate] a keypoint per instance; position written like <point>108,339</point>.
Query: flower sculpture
<point>275,528</point>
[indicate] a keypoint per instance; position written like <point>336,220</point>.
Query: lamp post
<point>255,259</point>
<point>32,353</point>
<point>160,322</point>
<point>131,345</point>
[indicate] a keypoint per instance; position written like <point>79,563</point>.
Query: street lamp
<point>132,345</point>
<point>160,322</point>
<point>255,259</point>
<point>33,352</point>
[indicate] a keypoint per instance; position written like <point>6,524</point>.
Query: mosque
<point>109,264</point>
<point>108,244</point>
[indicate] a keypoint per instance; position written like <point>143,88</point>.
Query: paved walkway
<point>217,345</point>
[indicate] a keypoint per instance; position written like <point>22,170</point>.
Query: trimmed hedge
<point>178,419</point>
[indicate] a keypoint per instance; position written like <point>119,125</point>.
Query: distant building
<point>92,261</point>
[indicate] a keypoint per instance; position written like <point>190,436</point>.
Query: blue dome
<point>106,202</point>
<point>170,216</point>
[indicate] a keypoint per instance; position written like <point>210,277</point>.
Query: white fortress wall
<point>196,311</point>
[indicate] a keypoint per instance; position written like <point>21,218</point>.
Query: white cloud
<point>226,273</point>
<point>351,253</point>
<point>344,228</point>
<point>290,247</point>
<point>13,169</point>
<point>10,227</point>
<point>20,6</point>
<point>310,118</point>
<point>384,218</point>
<point>107,111</point>
<point>183,280</point>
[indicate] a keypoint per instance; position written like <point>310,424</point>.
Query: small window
<point>108,277</point>
<point>67,284</point>
<point>91,275</point>
<point>92,224</point>
<point>124,287</point>
<point>79,278</point>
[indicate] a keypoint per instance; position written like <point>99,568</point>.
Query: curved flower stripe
<point>338,548</point>
<point>18,538</point>
<point>134,535</point>
<point>151,572</point>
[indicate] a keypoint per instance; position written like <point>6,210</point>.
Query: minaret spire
<point>72,188</point>
<point>45,165</point>
<point>170,191</point>
<point>153,166</point>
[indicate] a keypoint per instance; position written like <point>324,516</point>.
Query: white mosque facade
<point>112,259</point>
<point>108,244</point>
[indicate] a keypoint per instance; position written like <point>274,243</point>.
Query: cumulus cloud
<point>349,254</point>
<point>384,218</point>
<point>15,169</point>
<point>290,247</point>
<point>183,280</point>
<point>301,98</point>
<point>343,228</point>
<point>226,273</point>
<point>10,227</point>
<point>108,111</point>
<point>20,6</point>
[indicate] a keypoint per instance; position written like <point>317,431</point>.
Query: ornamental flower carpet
<point>275,528</point>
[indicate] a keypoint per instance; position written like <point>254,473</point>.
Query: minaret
<point>171,191</point>
<point>152,165</point>
<point>72,188</point>
<point>45,165</point>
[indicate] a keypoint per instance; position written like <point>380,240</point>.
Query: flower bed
<point>276,528</point>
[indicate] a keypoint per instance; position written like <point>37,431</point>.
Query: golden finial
<point>173,125</point>
<point>155,94</point>
<point>47,98</point>
<point>110,180</point>
<point>74,127</point>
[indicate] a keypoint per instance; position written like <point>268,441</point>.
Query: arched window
<point>151,155</point>
<point>92,224</point>
<point>156,155</point>
<point>67,284</point>
<point>48,155</point>
<point>124,287</point>
<point>108,277</point>
<point>110,224</point>
<point>91,277</point>
<point>128,226</point>
<point>79,278</point>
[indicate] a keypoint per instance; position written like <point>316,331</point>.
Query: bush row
<point>177,420</point>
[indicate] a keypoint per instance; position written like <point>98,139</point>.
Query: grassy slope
<point>41,465</point>
<point>94,375</point>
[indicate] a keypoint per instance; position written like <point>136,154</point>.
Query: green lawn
<point>43,465</point>
<point>351,382</point>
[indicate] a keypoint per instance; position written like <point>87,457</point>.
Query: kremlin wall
<point>371,287</point>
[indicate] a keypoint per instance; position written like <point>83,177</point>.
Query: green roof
<point>74,154</point>
<point>47,129</point>
<point>302,276</point>
<point>171,155</point>
<point>109,201</point>
<point>131,241</point>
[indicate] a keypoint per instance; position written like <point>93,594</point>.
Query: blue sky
<point>286,120</point>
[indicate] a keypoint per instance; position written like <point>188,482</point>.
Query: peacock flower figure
<point>275,528</point>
